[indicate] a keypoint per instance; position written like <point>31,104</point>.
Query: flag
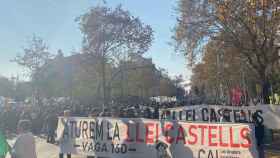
<point>4,146</point>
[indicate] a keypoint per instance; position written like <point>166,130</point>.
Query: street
<point>46,150</point>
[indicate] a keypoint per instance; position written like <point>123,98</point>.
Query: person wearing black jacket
<point>259,134</point>
<point>51,124</point>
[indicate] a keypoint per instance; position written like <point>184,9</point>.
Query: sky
<point>54,21</point>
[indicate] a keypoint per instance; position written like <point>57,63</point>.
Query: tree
<point>137,77</point>
<point>250,26</point>
<point>166,87</point>
<point>110,34</point>
<point>6,87</point>
<point>33,58</point>
<point>179,90</point>
<point>220,71</point>
<point>23,91</point>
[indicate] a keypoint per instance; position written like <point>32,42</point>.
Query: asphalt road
<point>46,150</point>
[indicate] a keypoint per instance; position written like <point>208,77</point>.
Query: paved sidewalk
<point>45,150</point>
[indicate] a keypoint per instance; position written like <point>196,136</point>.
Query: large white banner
<point>143,138</point>
<point>268,114</point>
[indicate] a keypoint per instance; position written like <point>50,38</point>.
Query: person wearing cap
<point>24,146</point>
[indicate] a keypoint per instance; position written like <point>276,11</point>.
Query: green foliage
<point>109,66</point>
<point>110,35</point>
<point>110,32</point>
<point>34,56</point>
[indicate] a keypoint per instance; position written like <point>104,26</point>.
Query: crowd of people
<point>42,120</point>
<point>24,120</point>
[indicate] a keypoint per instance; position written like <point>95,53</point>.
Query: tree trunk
<point>104,81</point>
<point>265,86</point>
<point>122,89</point>
<point>266,91</point>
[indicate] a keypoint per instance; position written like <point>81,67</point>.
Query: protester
<point>242,118</point>
<point>8,114</point>
<point>147,113</point>
<point>24,146</point>
<point>156,113</point>
<point>94,113</point>
<point>162,150</point>
<point>65,145</point>
<point>4,146</point>
<point>259,134</point>
<point>38,115</point>
<point>36,121</point>
<point>222,118</point>
<point>51,125</point>
<point>26,115</point>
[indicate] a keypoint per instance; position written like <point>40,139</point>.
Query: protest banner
<point>139,138</point>
<point>267,114</point>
